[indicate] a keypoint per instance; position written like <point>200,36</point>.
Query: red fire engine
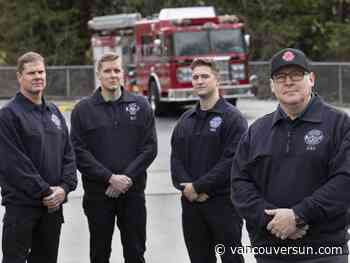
<point>157,52</point>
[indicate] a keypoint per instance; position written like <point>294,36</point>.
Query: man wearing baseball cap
<point>289,57</point>
<point>291,174</point>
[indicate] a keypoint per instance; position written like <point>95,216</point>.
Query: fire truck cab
<point>163,48</point>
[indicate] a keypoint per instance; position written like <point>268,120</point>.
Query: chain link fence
<point>63,82</point>
<point>72,82</point>
<point>332,80</point>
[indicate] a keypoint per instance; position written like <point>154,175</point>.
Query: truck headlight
<point>184,74</point>
<point>237,71</point>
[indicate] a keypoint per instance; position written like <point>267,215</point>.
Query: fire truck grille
<point>224,69</point>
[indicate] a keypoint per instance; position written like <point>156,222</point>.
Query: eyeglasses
<point>296,75</point>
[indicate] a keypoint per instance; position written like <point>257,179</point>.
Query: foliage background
<point>58,28</point>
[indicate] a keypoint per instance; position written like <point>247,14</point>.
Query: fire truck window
<point>147,45</point>
<point>227,40</point>
<point>157,46</point>
<point>191,43</point>
<point>168,46</point>
<point>157,50</point>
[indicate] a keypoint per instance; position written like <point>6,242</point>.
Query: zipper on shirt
<point>112,108</point>
<point>289,141</point>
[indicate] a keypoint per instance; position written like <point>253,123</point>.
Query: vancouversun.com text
<point>283,250</point>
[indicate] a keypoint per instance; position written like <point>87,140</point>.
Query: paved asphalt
<point>164,235</point>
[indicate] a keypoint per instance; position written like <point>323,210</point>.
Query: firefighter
<point>114,137</point>
<point>291,172</point>
<point>203,145</point>
<point>37,169</point>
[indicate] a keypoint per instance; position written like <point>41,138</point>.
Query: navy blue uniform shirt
<point>203,145</point>
<point>302,164</point>
<point>115,137</point>
<point>36,152</point>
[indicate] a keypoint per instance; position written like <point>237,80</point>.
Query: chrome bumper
<point>183,95</point>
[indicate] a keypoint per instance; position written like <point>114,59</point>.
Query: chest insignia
<point>132,108</point>
<point>215,123</point>
<point>313,138</point>
<point>56,121</point>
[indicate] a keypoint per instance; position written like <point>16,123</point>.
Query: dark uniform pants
<point>130,211</point>
<point>208,224</point>
<point>30,235</point>
<point>332,259</point>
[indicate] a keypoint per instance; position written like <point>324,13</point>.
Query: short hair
<point>106,57</point>
<point>28,58</point>
<point>209,62</point>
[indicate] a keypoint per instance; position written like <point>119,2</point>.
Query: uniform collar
<point>312,112</point>
<point>219,108</point>
<point>125,97</point>
<point>28,104</point>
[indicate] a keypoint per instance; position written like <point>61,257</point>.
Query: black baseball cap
<point>288,57</point>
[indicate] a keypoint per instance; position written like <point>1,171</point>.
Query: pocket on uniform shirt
<point>95,129</point>
<point>133,128</point>
<point>54,130</point>
<point>33,139</point>
<point>30,132</point>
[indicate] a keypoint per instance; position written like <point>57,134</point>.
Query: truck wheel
<point>153,97</point>
<point>233,101</point>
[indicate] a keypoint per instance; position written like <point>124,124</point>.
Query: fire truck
<point>157,51</point>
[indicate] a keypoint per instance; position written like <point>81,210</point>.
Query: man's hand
<point>283,222</point>
<point>202,197</point>
<point>299,233</point>
<point>120,182</point>
<point>111,192</point>
<point>56,198</point>
<point>189,192</point>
